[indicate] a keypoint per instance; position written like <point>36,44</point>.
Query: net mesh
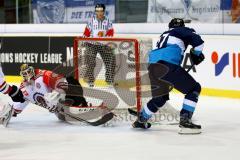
<point>114,71</point>
<point>107,71</point>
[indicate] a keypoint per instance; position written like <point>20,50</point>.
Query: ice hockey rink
<point>38,135</point>
<point>65,36</point>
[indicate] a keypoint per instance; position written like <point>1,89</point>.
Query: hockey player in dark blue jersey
<point>169,54</point>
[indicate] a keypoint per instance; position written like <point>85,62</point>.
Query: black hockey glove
<point>16,94</point>
<point>196,59</point>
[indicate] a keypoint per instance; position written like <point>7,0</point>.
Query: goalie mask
<point>27,72</point>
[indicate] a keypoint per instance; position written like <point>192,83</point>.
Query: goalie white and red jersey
<point>34,91</point>
<point>99,28</point>
<point>4,87</point>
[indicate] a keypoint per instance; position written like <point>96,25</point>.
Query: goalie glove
<point>196,59</point>
<point>53,100</point>
<point>16,94</point>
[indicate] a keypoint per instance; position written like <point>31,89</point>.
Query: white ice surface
<point>38,135</point>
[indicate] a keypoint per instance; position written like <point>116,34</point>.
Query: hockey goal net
<point>113,71</point>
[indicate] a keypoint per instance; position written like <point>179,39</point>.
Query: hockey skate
<point>141,122</point>
<point>187,127</point>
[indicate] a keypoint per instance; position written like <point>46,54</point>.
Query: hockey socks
<point>185,124</point>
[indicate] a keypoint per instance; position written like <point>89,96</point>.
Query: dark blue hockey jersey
<point>173,43</point>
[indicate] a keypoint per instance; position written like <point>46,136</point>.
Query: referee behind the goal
<point>98,27</point>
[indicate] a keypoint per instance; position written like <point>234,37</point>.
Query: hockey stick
<point>107,117</point>
<point>190,67</point>
<point>135,113</point>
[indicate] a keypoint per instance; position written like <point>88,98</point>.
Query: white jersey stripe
<point>177,41</point>
<point>190,103</point>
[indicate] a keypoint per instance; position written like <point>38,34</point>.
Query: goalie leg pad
<point>6,114</point>
<point>74,93</point>
<point>5,110</point>
<point>60,116</point>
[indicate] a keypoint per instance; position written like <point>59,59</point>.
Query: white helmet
<point>27,72</point>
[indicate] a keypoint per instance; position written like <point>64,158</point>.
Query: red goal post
<point>134,50</point>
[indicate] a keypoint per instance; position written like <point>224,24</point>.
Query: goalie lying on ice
<point>49,90</point>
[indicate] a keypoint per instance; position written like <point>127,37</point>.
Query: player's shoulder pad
<point>183,30</point>
<point>51,74</point>
<point>166,31</point>
<point>190,29</point>
<point>39,73</point>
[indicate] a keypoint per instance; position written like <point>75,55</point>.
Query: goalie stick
<point>107,117</point>
<point>91,114</point>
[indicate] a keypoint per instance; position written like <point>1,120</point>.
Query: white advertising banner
<point>83,14</point>
<point>203,11</point>
<point>68,11</point>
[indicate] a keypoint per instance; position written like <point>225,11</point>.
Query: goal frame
<point>137,61</point>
